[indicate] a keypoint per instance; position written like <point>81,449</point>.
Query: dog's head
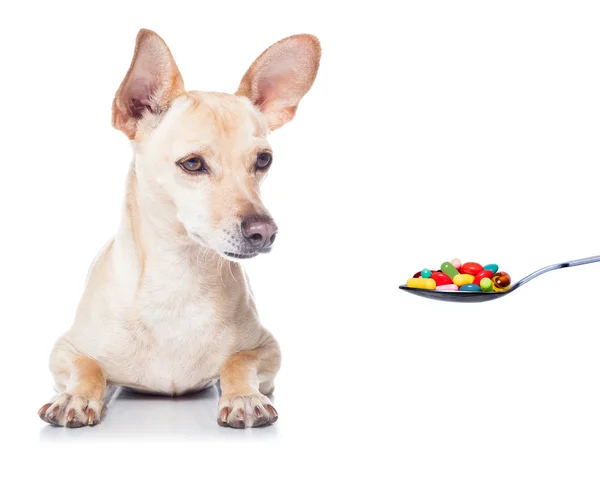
<point>207,153</point>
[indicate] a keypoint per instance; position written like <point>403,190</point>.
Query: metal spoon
<point>480,296</point>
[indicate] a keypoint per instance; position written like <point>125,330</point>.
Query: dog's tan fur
<point>165,310</point>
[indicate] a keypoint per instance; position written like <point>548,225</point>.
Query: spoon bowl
<point>480,296</point>
<point>456,296</point>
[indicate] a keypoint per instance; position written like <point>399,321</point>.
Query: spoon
<point>480,296</point>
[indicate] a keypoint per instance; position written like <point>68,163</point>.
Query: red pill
<point>486,273</point>
<point>417,274</point>
<point>470,268</point>
<point>441,278</point>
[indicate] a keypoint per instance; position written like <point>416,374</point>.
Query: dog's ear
<point>151,84</point>
<point>281,76</point>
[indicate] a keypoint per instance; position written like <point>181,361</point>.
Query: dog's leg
<point>81,383</point>
<point>245,379</point>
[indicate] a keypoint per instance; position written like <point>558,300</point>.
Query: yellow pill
<point>461,279</point>
<point>421,283</point>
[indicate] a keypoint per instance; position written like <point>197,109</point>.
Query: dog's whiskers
<point>220,268</point>
<point>231,272</point>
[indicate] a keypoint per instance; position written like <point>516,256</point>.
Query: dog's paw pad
<point>246,411</point>
<point>71,411</point>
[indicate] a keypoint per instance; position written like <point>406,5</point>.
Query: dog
<point>167,307</point>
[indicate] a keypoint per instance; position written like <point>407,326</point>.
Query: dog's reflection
<point>151,417</point>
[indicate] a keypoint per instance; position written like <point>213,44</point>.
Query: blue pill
<point>426,273</point>
<point>470,287</point>
<point>492,267</point>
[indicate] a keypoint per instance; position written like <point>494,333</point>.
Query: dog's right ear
<point>150,86</point>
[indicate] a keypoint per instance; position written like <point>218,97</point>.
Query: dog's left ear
<point>151,84</point>
<point>281,76</point>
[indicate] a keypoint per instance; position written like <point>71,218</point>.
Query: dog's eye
<point>263,160</point>
<point>193,165</point>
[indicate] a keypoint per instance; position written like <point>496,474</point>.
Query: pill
<point>449,269</point>
<point>470,287</point>
<point>421,283</point>
<point>492,267</point>
<point>501,281</point>
<point>486,284</point>
<point>441,278</point>
<point>470,268</point>
<point>461,279</point>
<point>456,276</point>
<point>486,273</point>
<point>447,287</point>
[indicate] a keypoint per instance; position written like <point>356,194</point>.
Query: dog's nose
<point>259,231</point>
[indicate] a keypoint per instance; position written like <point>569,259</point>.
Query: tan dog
<point>167,308</point>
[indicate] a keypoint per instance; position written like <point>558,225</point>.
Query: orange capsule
<point>501,281</point>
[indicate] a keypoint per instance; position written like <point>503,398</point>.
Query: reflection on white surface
<point>138,417</point>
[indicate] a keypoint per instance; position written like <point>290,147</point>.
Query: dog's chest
<point>174,342</point>
<point>178,352</point>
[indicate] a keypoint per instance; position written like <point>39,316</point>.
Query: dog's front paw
<point>246,411</point>
<point>72,411</point>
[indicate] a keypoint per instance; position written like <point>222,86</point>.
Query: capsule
<point>493,267</point>
<point>447,287</point>
<point>461,279</point>
<point>486,284</point>
<point>470,287</point>
<point>441,278</point>
<point>449,269</point>
<point>486,273</point>
<point>470,268</point>
<point>421,283</point>
<point>501,281</point>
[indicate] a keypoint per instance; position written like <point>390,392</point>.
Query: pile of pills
<point>457,276</point>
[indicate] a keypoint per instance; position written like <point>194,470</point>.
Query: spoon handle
<point>575,262</point>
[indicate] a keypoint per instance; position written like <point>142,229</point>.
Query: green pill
<point>449,269</point>
<point>486,284</point>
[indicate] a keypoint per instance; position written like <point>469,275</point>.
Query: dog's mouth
<point>241,255</point>
<point>245,253</point>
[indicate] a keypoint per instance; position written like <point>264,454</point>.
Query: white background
<point>434,130</point>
